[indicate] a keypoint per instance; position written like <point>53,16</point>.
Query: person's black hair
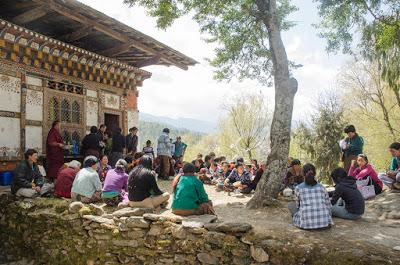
<point>309,172</point>
<point>295,162</point>
<point>395,146</point>
<point>29,153</point>
<point>189,168</point>
<point>338,174</point>
<point>102,126</point>
<point>55,123</point>
<point>118,130</point>
<point>146,162</point>
<point>255,160</point>
<point>129,159</point>
<point>239,165</point>
<point>165,130</point>
<point>349,129</point>
<point>93,129</point>
<point>214,164</point>
<point>134,129</point>
<point>144,169</point>
<point>148,142</point>
<point>240,160</point>
<point>207,158</point>
<point>201,155</point>
<point>212,154</point>
<point>217,160</point>
<point>109,133</point>
<point>89,162</point>
<point>102,156</point>
<point>365,157</point>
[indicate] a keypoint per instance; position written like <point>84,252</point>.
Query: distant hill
<point>180,123</point>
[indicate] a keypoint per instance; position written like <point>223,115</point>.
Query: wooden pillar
<point>23,114</point>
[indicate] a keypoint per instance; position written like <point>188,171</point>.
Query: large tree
<point>375,24</point>
<point>248,36</point>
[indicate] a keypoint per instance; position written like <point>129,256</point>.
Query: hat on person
<point>166,130</point>
<point>74,164</point>
<point>121,163</point>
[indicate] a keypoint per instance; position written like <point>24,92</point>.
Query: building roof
<point>80,25</point>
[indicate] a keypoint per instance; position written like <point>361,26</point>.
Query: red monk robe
<point>54,151</point>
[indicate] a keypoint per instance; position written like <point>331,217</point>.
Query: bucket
<point>6,178</point>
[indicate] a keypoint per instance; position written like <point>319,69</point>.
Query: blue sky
<point>194,94</point>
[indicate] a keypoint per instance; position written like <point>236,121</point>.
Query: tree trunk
<point>285,90</point>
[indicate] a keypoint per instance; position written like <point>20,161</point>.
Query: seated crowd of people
<point>132,180</point>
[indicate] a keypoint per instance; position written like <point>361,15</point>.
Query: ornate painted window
<point>65,111</point>
<point>76,112</point>
<point>54,109</point>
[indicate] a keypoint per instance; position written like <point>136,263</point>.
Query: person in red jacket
<point>65,178</point>
<point>361,169</point>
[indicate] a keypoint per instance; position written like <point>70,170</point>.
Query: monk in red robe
<point>54,151</point>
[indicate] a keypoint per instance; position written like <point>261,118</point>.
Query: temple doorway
<point>111,121</point>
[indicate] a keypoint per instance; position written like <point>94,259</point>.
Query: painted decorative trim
<point>34,123</point>
<point>10,114</point>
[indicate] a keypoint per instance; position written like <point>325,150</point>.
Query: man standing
<point>164,154</point>
<point>91,143</point>
<point>54,151</point>
<point>353,146</point>
<point>103,138</point>
<point>118,146</point>
<point>132,140</point>
<point>180,148</point>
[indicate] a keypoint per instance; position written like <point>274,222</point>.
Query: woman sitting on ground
<point>65,178</point>
<point>239,179</point>
<point>294,176</point>
<point>87,186</point>
<point>392,177</point>
<point>312,209</point>
<point>361,169</point>
<point>103,167</point>
<point>116,184</point>
<point>143,188</point>
<point>347,200</point>
<point>190,198</point>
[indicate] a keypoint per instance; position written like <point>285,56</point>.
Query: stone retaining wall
<point>52,231</point>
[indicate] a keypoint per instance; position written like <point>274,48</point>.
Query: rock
<point>99,219</point>
<point>162,218</point>
<point>179,232</point>
<point>74,207</point>
<point>127,212</point>
<point>199,221</point>
<point>97,210</point>
<point>205,258</point>
<point>125,243</point>
<point>396,248</point>
<point>155,230</point>
<point>394,215</point>
<point>136,221</point>
<point>229,227</point>
<point>85,211</point>
<point>259,254</point>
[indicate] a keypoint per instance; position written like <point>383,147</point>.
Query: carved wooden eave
<point>77,24</point>
<point>25,46</point>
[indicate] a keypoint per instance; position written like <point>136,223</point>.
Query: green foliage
<point>245,130</point>
<point>378,22</point>
<point>320,139</point>
<point>234,26</point>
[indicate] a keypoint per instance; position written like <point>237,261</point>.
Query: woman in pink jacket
<point>364,170</point>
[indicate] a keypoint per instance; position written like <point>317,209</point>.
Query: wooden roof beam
<point>30,15</point>
<point>105,29</point>
<point>153,60</point>
<point>78,34</point>
<point>114,51</point>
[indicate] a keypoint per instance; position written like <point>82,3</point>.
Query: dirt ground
<point>372,229</point>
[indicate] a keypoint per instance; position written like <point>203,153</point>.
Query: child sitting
<point>238,179</point>
<point>347,201</point>
<point>361,169</point>
<point>294,176</point>
<point>190,198</point>
<point>312,209</point>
